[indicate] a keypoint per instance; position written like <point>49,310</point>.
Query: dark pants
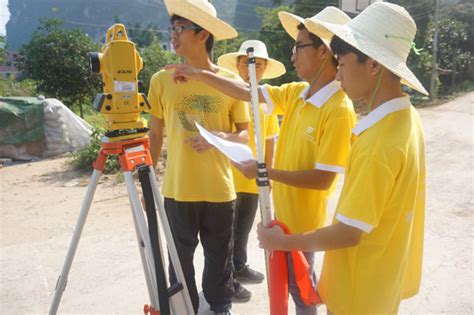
<point>213,222</point>
<point>246,206</point>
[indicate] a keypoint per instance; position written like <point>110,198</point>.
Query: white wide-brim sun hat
<point>202,13</point>
<point>273,69</point>
<point>291,21</point>
<point>329,14</point>
<point>384,32</point>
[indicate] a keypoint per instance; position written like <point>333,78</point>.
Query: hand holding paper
<point>236,152</point>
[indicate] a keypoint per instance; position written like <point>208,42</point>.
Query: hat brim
<point>314,27</point>
<point>367,46</point>
<point>290,23</point>
<point>273,69</point>
<point>218,28</point>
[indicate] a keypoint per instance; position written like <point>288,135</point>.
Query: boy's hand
<point>198,143</point>
<point>247,168</point>
<point>183,72</point>
<point>271,238</point>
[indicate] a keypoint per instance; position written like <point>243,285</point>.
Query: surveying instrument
<point>119,64</point>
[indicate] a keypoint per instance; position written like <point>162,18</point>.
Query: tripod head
<point>120,103</point>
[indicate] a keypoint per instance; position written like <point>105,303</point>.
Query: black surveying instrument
<point>121,104</point>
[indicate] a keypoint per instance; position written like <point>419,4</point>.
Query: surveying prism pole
<point>263,183</point>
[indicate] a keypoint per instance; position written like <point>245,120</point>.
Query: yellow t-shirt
<point>270,128</point>
<point>190,175</point>
<point>315,134</point>
<point>384,196</point>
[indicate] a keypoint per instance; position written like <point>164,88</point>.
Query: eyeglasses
<point>178,29</point>
<point>298,47</point>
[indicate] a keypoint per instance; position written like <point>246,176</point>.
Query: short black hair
<point>210,39</point>
<point>340,47</point>
<point>317,41</point>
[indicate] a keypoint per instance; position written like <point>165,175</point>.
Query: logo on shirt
<point>196,108</point>
<point>308,133</point>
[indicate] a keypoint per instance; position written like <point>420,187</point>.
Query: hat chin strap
<point>375,91</point>
<point>318,74</point>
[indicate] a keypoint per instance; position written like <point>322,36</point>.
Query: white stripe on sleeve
<point>354,223</point>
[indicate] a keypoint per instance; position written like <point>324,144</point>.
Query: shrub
<point>83,159</point>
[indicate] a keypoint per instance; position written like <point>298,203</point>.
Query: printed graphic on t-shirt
<point>194,108</point>
<point>309,134</point>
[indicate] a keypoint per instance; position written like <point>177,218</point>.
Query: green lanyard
<point>412,43</point>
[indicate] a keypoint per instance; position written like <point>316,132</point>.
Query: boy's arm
<point>308,179</point>
<point>232,87</point>
<point>335,236</point>
<point>269,151</point>
<point>155,134</point>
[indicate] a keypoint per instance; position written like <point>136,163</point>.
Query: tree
<point>3,50</point>
<point>57,60</point>
<point>154,59</point>
<point>278,42</point>
<point>455,47</point>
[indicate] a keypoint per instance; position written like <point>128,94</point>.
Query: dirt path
<point>40,202</point>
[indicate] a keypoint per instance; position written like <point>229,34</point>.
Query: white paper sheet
<point>237,152</point>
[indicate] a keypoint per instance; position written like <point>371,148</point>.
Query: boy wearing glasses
<point>198,185</point>
<point>315,134</point>
<point>374,248</point>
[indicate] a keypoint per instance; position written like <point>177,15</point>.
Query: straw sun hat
<point>384,32</point>
<point>273,69</point>
<point>290,22</point>
<point>202,13</point>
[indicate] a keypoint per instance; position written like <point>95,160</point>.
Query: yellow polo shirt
<point>191,175</point>
<point>315,134</point>
<point>270,129</point>
<point>384,196</point>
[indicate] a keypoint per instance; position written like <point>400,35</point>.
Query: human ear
<point>375,67</point>
<point>203,35</point>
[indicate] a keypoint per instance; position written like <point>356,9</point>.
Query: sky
<point>4,16</point>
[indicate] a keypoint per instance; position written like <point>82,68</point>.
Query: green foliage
<point>143,36</point>
<point>3,51</point>
<point>231,45</point>
<point>83,159</point>
<point>12,87</point>
<point>454,44</point>
<point>154,58</point>
<point>57,60</point>
<point>308,8</point>
<point>278,42</point>
<point>94,118</point>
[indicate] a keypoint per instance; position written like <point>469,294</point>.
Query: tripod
<point>134,155</point>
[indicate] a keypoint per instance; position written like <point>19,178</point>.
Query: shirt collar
<point>380,112</point>
<point>319,98</point>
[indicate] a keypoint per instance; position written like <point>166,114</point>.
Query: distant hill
<point>93,17</point>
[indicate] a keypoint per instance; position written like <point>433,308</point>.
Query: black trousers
<point>246,206</point>
<point>213,223</point>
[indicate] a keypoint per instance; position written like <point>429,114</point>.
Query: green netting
<point>21,120</point>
